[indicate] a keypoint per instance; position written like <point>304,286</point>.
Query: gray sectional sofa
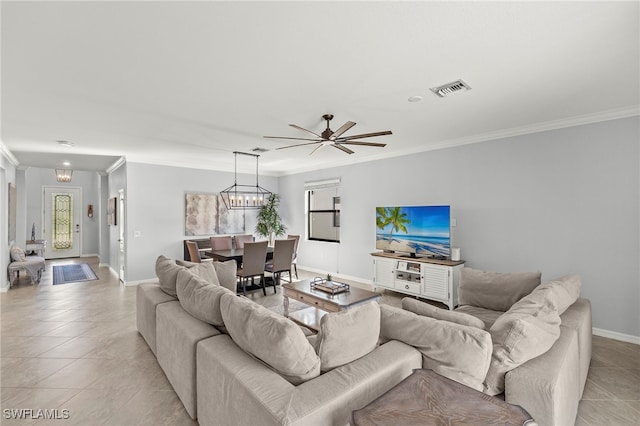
<point>232,361</point>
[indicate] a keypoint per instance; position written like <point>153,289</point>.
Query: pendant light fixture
<point>241,197</point>
<point>64,175</point>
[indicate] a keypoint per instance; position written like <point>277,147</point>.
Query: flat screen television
<point>415,230</point>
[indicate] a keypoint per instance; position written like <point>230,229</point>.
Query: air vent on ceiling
<point>258,149</point>
<point>449,88</point>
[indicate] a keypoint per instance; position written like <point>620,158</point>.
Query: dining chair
<point>221,243</point>
<point>281,262</point>
<point>253,260</point>
<point>242,239</point>
<point>294,259</point>
<point>194,253</point>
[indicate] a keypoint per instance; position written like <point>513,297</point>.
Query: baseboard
<point>90,255</point>
<point>616,336</point>
<point>138,282</point>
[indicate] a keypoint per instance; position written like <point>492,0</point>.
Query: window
<point>323,210</point>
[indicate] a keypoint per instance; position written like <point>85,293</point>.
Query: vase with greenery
<point>269,223</point>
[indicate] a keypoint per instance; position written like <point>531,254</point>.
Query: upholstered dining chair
<point>242,239</point>
<point>281,262</point>
<point>294,259</point>
<point>221,243</point>
<point>194,253</point>
<point>253,260</point>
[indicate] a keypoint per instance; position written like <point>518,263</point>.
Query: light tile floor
<point>75,347</point>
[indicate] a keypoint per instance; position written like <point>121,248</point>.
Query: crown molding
<point>8,155</point>
<point>119,162</point>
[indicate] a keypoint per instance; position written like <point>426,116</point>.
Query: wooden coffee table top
<point>426,398</point>
<point>341,301</point>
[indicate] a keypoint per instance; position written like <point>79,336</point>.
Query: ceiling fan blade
<point>343,148</point>
<point>319,146</point>
<point>302,128</point>
<point>296,139</point>
<point>346,126</point>
<point>363,143</point>
<point>298,144</point>
<point>364,135</point>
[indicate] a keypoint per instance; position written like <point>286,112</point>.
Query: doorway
<point>121,236</point>
<point>62,213</point>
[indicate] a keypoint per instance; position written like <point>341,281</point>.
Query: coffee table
<point>321,302</point>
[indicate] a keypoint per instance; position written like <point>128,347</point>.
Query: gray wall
<point>561,202</point>
<point>156,209</point>
<point>36,178</point>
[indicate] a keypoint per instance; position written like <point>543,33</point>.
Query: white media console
<point>424,277</point>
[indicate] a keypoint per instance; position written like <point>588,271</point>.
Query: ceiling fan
<point>335,139</point>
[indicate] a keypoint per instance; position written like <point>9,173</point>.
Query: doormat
<point>73,273</point>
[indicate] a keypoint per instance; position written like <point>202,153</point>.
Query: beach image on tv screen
<point>423,230</point>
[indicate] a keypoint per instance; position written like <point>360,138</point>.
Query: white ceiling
<point>188,83</point>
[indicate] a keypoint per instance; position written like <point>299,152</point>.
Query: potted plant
<point>269,223</point>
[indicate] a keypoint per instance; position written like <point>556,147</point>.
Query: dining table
<point>235,254</point>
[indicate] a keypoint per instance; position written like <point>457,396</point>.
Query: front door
<point>61,222</point>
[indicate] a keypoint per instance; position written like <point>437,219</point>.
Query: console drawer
<point>407,286</point>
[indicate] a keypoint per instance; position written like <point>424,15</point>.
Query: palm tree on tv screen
<point>382,219</point>
<point>397,220</point>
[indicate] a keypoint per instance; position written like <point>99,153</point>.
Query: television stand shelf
<point>425,277</point>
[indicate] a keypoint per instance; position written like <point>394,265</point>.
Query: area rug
<point>73,273</point>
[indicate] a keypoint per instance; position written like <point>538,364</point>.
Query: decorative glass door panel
<point>62,221</point>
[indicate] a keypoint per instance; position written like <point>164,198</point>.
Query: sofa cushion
<point>565,290</point>
<point>524,332</point>
<point>227,274</point>
<point>497,291</point>
<point>427,310</point>
<point>17,254</point>
<point>167,273</point>
<point>456,351</point>
<point>148,297</point>
<point>199,297</point>
<point>487,316</point>
<point>272,338</point>
<point>347,335</point>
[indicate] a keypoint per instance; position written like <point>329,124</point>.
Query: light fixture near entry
<point>90,210</point>
<point>64,175</point>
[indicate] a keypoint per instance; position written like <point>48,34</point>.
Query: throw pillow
<point>347,335</point>
<point>227,274</point>
<point>495,290</point>
<point>427,310</point>
<point>167,273</point>
<point>199,297</point>
<point>270,337</point>
<point>17,254</point>
<point>456,351</point>
<point>525,331</point>
<point>566,291</point>
<point>206,271</point>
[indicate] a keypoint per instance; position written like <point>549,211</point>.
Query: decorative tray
<point>331,287</point>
